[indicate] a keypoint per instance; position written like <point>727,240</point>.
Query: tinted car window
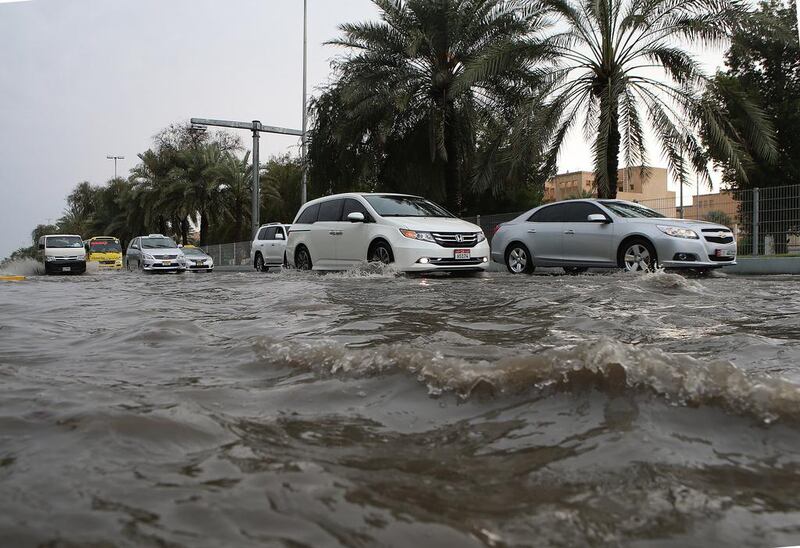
<point>261,234</point>
<point>330,210</point>
<point>309,215</point>
<point>549,214</point>
<point>269,233</point>
<point>351,206</point>
<point>577,212</point>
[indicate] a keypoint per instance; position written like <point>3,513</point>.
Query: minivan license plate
<point>461,254</point>
<point>66,268</point>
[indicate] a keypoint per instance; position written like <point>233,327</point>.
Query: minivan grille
<point>718,236</point>
<point>456,239</point>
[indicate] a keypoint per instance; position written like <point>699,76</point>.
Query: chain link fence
<point>233,254</point>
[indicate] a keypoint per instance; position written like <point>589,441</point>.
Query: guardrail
<point>232,254</point>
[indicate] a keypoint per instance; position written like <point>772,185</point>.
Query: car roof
<point>355,195</point>
<point>62,235</point>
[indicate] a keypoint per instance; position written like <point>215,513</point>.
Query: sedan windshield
<point>193,252</point>
<point>158,243</point>
<point>61,242</point>
<point>405,206</point>
<point>626,209</point>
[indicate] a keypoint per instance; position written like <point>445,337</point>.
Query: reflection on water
<point>371,408</point>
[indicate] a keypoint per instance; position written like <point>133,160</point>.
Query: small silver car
<point>154,253</point>
<point>581,234</point>
<point>197,260</point>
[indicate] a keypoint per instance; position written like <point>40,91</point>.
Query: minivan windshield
<point>61,242</point>
<point>629,210</point>
<point>158,243</point>
<point>104,246</point>
<point>405,206</point>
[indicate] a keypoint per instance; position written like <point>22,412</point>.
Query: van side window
<point>331,210</point>
<point>269,233</point>
<point>352,205</point>
<point>261,234</point>
<point>309,215</point>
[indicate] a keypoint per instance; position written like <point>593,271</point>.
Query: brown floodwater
<point>373,409</point>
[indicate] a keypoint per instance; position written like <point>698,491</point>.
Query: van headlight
<point>414,235</point>
<point>49,258</point>
<point>678,232</point>
<point>481,236</point>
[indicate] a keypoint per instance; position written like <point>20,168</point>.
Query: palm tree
<point>235,176</point>
<point>623,70</point>
<point>419,84</point>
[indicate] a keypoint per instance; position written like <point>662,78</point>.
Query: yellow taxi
<point>105,251</point>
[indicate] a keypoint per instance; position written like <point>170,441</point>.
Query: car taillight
<point>495,229</point>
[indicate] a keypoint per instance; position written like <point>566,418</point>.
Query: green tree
<point>415,90</point>
<point>626,67</point>
<point>280,189</point>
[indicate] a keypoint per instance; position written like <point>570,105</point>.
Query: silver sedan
<point>582,234</point>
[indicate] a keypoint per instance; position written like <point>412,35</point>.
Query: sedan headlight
<point>414,235</point>
<point>678,232</point>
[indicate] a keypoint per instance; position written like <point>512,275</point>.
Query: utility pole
<point>256,127</point>
<point>304,152</point>
<point>115,158</point>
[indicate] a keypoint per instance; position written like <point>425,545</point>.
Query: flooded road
<point>372,409</point>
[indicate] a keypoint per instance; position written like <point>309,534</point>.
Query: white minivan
<point>341,231</point>
<point>62,253</point>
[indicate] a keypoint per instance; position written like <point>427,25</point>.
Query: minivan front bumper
<point>427,257</point>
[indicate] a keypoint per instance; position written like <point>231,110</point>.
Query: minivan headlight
<point>481,236</point>
<point>678,232</point>
<point>414,235</point>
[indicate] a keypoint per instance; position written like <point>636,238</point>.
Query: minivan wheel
<point>519,259</point>
<point>637,256</point>
<point>381,253</point>
<point>259,263</point>
<point>302,259</point>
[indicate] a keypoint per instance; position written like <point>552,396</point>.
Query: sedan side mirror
<point>355,217</point>
<point>597,218</point>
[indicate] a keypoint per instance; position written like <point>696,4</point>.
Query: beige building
<point>651,190</point>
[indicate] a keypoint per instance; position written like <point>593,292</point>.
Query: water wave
<point>603,364</point>
<point>22,267</point>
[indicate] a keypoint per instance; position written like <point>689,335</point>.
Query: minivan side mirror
<point>597,218</point>
<point>356,217</point>
<point>279,235</point>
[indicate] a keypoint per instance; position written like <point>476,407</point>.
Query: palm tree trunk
<point>203,229</point>
<point>452,179</point>
<point>185,230</point>
<point>612,162</point>
<point>162,225</point>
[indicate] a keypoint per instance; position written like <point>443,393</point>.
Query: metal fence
<point>236,253</point>
<point>768,216</point>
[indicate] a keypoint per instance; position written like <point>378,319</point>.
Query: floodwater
<point>373,409</point>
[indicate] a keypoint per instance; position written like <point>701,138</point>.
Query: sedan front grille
<point>165,257</point>
<point>456,239</point>
<point>455,262</point>
<point>717,236</point>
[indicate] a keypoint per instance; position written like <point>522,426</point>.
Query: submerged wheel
<point>302,259</point>
<point>519,259</point>
<point>575,269</point>
<point>259,263</point>
<point>380,252</point>
<point>637,256</point>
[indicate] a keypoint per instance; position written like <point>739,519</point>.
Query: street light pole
<point>256,127</point>
<point>115,158</point>
<point>303,189</point>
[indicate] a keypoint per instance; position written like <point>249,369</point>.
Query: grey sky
<point>81,79</point>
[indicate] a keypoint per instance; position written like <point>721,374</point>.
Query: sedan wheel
<point>638,257</point>
<point>519,260</point>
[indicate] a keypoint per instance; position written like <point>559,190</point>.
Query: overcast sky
<point>83,79</point>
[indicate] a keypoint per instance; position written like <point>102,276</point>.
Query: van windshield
<point>405,206</point>
<point>104,246</point>
<point>61,242</point>
<point>158,243</point>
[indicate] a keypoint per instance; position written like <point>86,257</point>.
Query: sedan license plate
<point>461,254</point>
<point>166,263</point>
<point>66,268</point>
<point>725,253</point>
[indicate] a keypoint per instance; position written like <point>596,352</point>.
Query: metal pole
<point>256,179</point>
<point>303,191</point>
<point>681,184</point>
<point>755,221</point>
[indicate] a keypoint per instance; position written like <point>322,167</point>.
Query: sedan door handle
<point>335,232</point>
<point>532,231</point>
<point>570,231</point>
